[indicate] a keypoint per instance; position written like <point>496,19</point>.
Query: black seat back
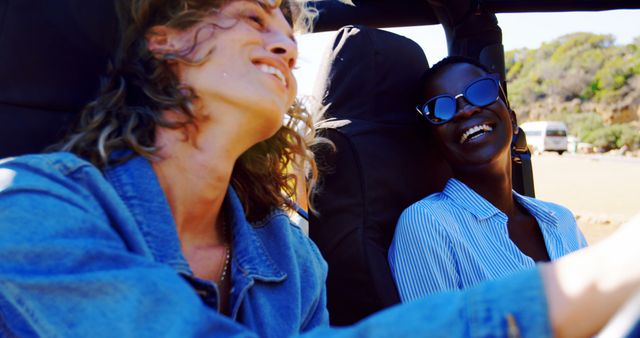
<point>383,163</point>
<point>52,54</point>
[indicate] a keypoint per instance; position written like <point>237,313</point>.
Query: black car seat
<point>52,54</point>
<point>383,162</point>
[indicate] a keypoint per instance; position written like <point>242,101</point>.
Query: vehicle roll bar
<point>334,13</point>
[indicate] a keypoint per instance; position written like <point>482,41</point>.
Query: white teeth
<point>473,130</point>
<point>275,71</point>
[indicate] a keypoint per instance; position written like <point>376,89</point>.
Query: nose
<point>284,46</point>
<point>465,108</point>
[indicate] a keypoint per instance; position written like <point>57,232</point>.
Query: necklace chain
<point>227,250</point>
<point>226,263</point>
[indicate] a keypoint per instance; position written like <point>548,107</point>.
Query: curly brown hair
<point>140,86</point>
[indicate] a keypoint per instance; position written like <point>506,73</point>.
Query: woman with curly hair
<point>164,212</point>
<point>182,164</point>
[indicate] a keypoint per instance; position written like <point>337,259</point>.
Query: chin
<point>266,114</point>
<point>270,125</point>
<point>481,158</point>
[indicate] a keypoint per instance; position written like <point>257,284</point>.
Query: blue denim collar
<point>138,186</point>
<point>136,183</point>
<point>253,260</point>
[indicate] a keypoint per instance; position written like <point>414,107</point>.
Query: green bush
<point>574,72</point>
<point>629,136</point>
<point>590,67</point>
<point>614,136</point>
<point>583,124</point>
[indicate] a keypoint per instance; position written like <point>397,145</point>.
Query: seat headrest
<point>370,74</point>
<point>383,162</point>
<point>52,54</point>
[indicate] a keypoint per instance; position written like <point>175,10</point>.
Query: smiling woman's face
<point>475,135</point>
<point>244,57</point>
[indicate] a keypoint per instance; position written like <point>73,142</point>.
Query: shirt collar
<point>138,186</point>
<point>468,199</point>
<point>249,252</point>
<point>544,215</point>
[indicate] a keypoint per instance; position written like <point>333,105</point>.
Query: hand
<point>584,289</point>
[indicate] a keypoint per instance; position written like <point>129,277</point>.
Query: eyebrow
<point>269,10</point>
<point>264,6</point>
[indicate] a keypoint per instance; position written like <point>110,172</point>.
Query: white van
<point>546,136</point>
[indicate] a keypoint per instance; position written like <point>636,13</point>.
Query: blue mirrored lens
<point>482,92</point>
<point>442,108</point>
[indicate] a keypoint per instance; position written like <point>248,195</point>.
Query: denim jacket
<point>90,254</point>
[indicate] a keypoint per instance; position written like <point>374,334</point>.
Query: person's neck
<point>194,174</point>
<point>491,181</point>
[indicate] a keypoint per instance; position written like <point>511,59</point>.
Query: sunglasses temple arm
<point>504,94</point>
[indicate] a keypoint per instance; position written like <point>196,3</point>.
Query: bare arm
<point>586,288</point>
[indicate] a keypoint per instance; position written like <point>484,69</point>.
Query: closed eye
<point>256,20</point>
<point>254,14</point>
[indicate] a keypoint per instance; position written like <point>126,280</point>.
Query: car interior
<point>382,162</point>
<point>52,54</point>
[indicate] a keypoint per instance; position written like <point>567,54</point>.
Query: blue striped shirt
<point>455,238</point>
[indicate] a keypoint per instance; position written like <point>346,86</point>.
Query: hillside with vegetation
<point>585,80</point>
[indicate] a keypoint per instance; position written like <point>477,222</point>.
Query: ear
<point>161,40</point>
<point>514,121</point>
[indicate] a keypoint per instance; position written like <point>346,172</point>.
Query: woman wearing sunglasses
<point>477,228</point>
<point>164,216</point>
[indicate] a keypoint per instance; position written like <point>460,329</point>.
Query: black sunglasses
<point>481,92</point>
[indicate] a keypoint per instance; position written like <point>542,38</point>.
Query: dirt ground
<point>602,191</point>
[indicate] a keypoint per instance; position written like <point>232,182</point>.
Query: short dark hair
<point>450,60</point>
